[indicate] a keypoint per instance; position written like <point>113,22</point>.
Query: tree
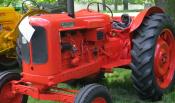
<point>116,5</point>
<point>104,3</point>
<point>63,4</point>
<point>167,5</point>
<point>160,3</point>
<point>6,2</point>
<point>125,4</point>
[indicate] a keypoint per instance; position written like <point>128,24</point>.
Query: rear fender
<point>140,17</point>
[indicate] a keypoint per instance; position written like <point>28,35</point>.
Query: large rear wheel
<point>6,94</point>
<point>153,56</point>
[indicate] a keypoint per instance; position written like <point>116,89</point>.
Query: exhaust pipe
<point>70,8</point>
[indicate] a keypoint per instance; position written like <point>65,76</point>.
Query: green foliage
<point>168,5</point>
<point>4,2</point>
<point>170,8</point>
<point>47,1</point>
<point>112,1</point>
<point>136,1</point>
<point>1,1</point>
<point>107,1</point>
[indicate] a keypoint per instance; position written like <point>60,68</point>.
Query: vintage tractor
<point>9,21</point>
<point>71,46</point>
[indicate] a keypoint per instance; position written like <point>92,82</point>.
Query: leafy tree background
<point>114,2</point>
<point>168,6</point>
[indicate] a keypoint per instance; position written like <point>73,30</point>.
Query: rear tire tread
<point>143,55</point>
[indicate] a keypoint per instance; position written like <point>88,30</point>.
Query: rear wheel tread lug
<point>142,70</point>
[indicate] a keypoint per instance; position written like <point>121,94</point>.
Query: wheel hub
<point>99,100</point>
<point>163,59</point>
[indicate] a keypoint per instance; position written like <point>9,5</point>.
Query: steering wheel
<point>28,4</point>
<point>98,7</point>
<point>125,22</point>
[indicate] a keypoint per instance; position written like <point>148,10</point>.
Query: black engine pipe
<point>70,8</point>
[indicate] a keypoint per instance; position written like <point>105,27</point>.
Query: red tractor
<point>72,46</point>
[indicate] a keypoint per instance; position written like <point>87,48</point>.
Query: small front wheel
<point>93,93</point>
<point>6,94</point>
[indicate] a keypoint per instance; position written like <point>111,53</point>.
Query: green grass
<point>120,87</point>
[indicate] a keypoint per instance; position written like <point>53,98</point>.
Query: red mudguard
<point>140,17</point>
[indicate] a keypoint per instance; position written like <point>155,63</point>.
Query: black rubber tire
<point>6,77</point>
<point>144,43</point>
<point>8,65</point>
<point>92,91</point>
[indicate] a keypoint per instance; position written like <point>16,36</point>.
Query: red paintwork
<point>7,96</point>
<point>99,100</point>
<point>112,51</point>
<point>164,59</point>
<point>139,18</point>
<point>45,94</point>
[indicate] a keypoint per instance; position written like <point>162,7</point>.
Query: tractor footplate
<point>52,94</point>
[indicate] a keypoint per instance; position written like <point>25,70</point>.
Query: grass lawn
<point>120,86</point>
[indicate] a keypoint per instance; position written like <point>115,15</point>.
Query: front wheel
<point>153,56</point>
<point>8,63</point>
<point>93,93</point>
<point>6,94</point>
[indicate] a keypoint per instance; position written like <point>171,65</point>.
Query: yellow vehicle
<point>9,21</point>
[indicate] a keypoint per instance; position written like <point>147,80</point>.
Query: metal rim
<point>164,59</point>
<point>7,96</point>
<point>99,100</point>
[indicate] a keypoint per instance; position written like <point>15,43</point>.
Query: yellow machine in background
<point>9,21</point>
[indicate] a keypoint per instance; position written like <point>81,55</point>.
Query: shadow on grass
<point>122,91</point>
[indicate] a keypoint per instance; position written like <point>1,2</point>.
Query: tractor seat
<point>125,22</point>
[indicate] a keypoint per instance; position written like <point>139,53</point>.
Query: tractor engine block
<point>78,47</point>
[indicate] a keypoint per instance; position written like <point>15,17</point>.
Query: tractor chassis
<point>39,78</point>
<point>53,94</point>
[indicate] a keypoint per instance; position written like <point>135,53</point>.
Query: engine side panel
<point>77,48</point>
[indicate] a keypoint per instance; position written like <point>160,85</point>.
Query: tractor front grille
<point>24,49</point>
<point>39,46</point>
